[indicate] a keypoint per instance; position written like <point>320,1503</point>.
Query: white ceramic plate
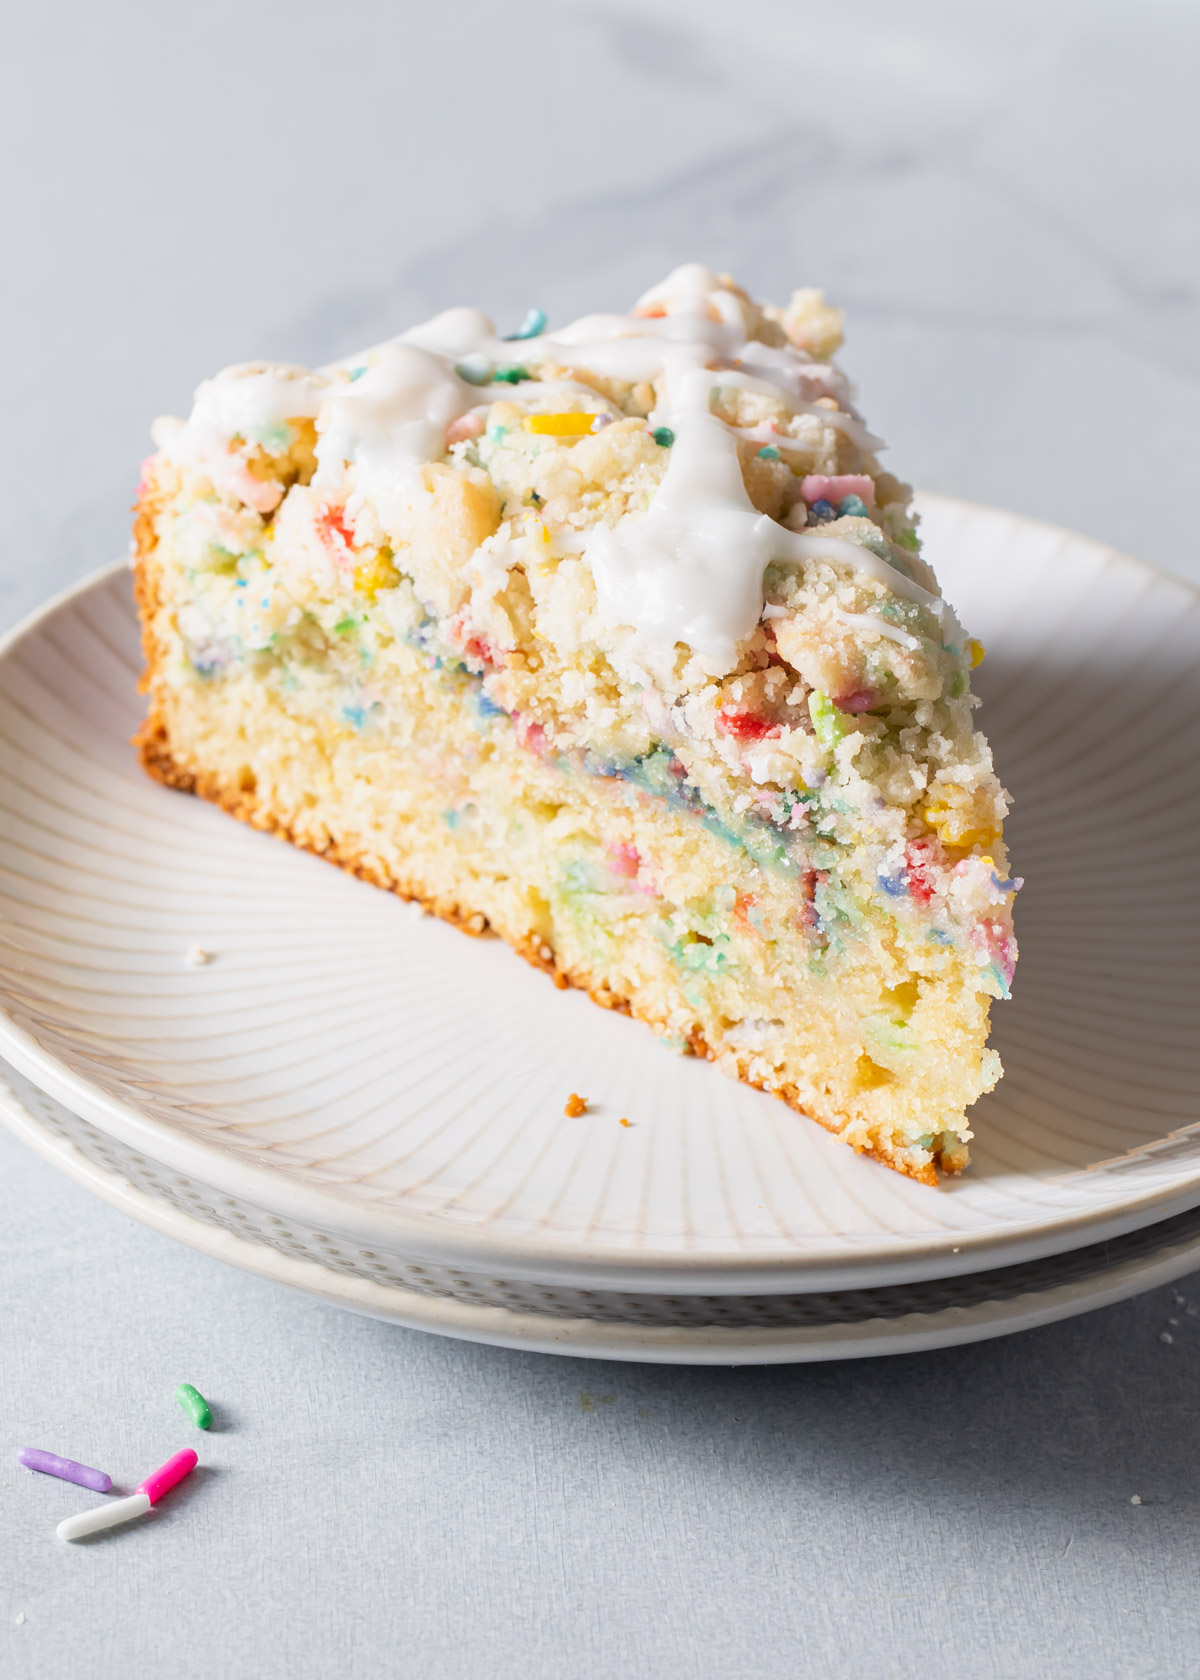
<point>855,1324</point>
<point>376,1077</point>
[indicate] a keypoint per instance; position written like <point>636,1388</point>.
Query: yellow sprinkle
<point>991,862</point>
<point>976,650</point>
<point>376,572</point>
<point>559,425</point>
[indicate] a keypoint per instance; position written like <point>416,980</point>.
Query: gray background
<point>1004,195</point>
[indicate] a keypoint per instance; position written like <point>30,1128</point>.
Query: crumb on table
<point>575,1106</point>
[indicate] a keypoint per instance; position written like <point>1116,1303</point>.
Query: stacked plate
<point>353,1099</point>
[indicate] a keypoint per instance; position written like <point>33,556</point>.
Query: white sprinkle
<point>1165,1336</point>
<point>1136,1500</point>
<point>1173,1321</point>
<point>103,1516</point>
<point>19,1617</point>
<point>197,956</point>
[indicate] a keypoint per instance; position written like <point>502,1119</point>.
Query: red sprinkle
<point>530,735</point>
<point>745,726</point>
<point>920,856</point>
<point>331,523</point>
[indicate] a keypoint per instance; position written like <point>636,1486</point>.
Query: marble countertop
<point>1005,199</point>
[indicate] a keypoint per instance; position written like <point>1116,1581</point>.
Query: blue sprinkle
<point>355,715</point>
<point>476,370</point>
<point>241,583</point>
<point>532,326</point>
<point>357,373</point>
<point>853,505</point>
<point>489,708</point>
<point>768,453</point>
<point>940,938</point>
<point>822,509</point>
<point>265,602</point>
<point>894,885</point>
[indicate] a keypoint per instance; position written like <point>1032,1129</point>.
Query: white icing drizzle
<point>389,422</point>
<point>868,621</point>
<point>809,545</point>
<point>688,570</point>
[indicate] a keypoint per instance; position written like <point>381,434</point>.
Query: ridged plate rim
<point>917,1332</point>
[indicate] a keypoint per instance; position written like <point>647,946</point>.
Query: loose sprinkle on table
<point>103,1516</point>
<point>163,1479</point>
<point>195,1405</point>
<point>625,1122</point>
<point>137,1504</point>
<point>33,1458</point>
<point>197,956</point>
<point>576,1105</point>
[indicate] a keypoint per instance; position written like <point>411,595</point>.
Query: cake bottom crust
<point>160,762</point>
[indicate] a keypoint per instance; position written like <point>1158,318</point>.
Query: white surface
<point>1005,196</point>
<point>352,1065</point>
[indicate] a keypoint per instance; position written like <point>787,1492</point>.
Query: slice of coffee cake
<point>616,640</point>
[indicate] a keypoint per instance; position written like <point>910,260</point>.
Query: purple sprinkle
<point>33,1458</point>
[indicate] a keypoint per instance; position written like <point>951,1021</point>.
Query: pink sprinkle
<point>860,701</point>
<point>816,487</point>
<point>165,1477</point>
<point>262,495</point>
<point>624,860</point>
<point>466,426</point>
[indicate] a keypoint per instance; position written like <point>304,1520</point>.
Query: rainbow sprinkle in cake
<point>616,640</point>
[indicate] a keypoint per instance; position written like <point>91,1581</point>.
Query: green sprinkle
<point>345,625</point>
<point>195,1405</point>
<point>510,375</point>
<point>663,436</point>
<point>910,540</point>
<point>828,723</point>
<point>768,453</point>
